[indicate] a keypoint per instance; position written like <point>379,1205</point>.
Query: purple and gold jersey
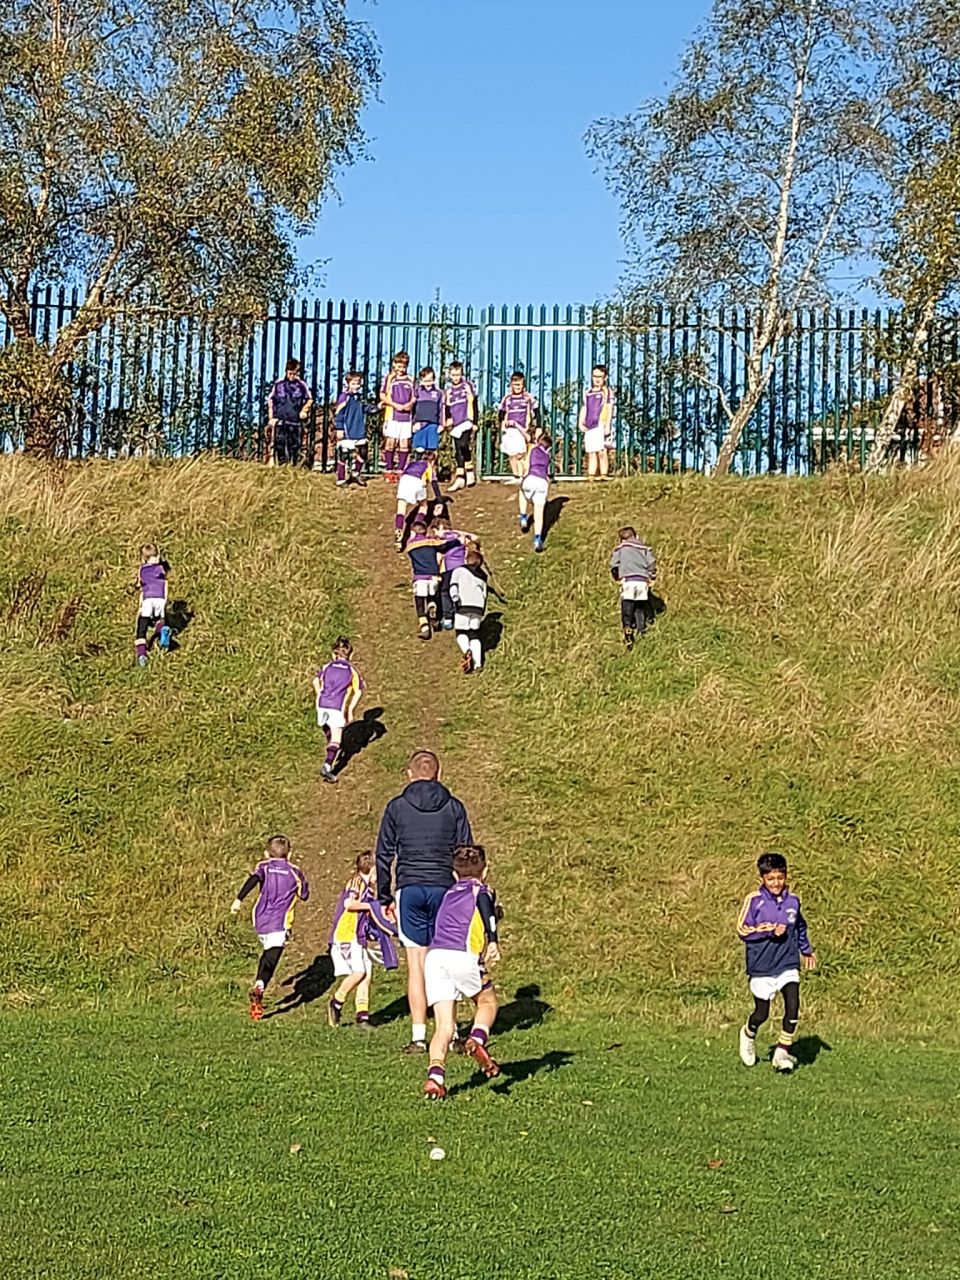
<point>153,581</point>
<point>520,410</point>
<point>339,681</point>
<point>461,399</point>
<point>456,557</point>
<point>538,462</point>
<point>467,918</point>
<point>398,390</point>
<point>281,885</point>
<point>346,923</point>
<point>598,408</point>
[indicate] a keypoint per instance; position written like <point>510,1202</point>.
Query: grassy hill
<point>801,691</point>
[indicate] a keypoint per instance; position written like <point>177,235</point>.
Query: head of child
<point>473,558</point>
<point>773,872</point>
<point>517,383</point>
<point>401,362</point>
<point>599,376</point>
<point>544,440</point>
<point>419,528</point>
<point>365,865</point>
<point>427,377</point>
<point>354,383</point>
<point>342,648</point>
<point>470,862</point>
<point>292,368</point>
<point>455,370</point>
<point>149,554</point>
<point>278,847</point>
<point>626,533</point>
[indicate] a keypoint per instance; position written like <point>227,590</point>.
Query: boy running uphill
<point>281,885</point>
<point>337,687</point>
<point>634,566</point>
<point>468,587</point>
<point>153,602</point>
<point>772,926</point>
<point>464,942</point>
<point>412,490</point>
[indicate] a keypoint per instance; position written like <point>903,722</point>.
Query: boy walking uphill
<point>534,488</point>
<point>464,942</point>
<point>425,550</point>
<point>772,926</point>
<point>412,490</point>
<point>281,885</point>
<point>468,587</point>
<point>338,687</point>
<point>153,602</point>
<point>461,406</point>
<point>634,566</point>
<point>351,428</point>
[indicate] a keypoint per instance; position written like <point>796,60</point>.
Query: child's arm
<point>355,904</point>
<point>806,946</point>
<point>317,685</point>
<point>651,565</point>
<point>747,928</point>
<point>270,414</point>
<point>435,483</point>
<point>582,420</point>
<point>385,393</point>
<point>307,404</point>
<point>352,706</point>
<point>615,564</point>
<point>488,914</point>
<point>253,879</point>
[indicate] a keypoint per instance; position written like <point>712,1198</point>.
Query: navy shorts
<point>417,907</point>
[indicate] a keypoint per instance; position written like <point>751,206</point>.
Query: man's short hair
<point>469,860</point>
<point>423,766</point>
<point>771,862</point>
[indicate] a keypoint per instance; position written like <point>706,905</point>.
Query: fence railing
<point>153,382</point>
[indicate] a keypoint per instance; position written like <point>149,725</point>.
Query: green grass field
<point>800,691</point>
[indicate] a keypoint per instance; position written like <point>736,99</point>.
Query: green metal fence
<point>159,383</point>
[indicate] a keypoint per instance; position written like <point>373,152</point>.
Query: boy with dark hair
<point>351,427</point>
<point>281,885</point>
<point>412,490</point>
<point>772,926</point>
<point>153,602</point>
<point>596,422</point>
<point>464,942</point>
<point>634,566</point>
<point>396,400</point>
<point>453,559</point>
<point>288,405</point>
<point>519,418</point>
<point>534,488</point>
<point>461,414</point>
<point>428,412</point>
<point>425,549</point>
<point>337,687</point>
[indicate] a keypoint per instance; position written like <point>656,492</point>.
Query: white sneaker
<point>457,485</point>
<point>782,1061</point>
<point>748,1048</point>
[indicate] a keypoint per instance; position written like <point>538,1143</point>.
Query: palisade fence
<point>151,382</point>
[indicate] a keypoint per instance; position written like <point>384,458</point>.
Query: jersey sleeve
<point>803,936</point>
<point>487,911</point>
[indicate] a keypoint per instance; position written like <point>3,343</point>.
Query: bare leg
<point>604,463</point>
<point>591,466</point>
<point>416,991</point>
<point>352,982</point>
<point>538,510</point>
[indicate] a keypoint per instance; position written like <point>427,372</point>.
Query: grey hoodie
<point>632,560</point>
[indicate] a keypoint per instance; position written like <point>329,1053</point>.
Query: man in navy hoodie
<point>419,831</point>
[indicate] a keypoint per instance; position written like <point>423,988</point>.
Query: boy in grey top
<point>634,566</point>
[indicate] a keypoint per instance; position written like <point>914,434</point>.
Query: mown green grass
<point>160,1145</point>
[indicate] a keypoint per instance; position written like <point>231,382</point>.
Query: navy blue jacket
<point>419,831</point>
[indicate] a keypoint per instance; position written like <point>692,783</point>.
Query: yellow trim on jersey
<point>477,934</point>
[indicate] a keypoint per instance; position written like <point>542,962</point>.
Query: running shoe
<point>334,1013</point>
<point>328,774</point>
<point>466,663</point>
<point>256,1003</point>
<point>414,1047</point>
<point>431,1089</point>
<point>782,1060</point>
<point>748,1048</point>
<point>142,660</point>
<point>478,1052</point>
<point>165,636</point>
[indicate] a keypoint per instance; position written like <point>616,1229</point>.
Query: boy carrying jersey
<point>362,931</point>
<point>337,687</point>
<point>281,885</point>
<point>461,407</point>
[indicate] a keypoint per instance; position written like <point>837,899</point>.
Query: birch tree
<point>753,178</point>
<point>175,146</point>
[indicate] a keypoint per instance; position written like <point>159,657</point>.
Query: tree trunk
<point>757,381</point>
<point>898,401</point>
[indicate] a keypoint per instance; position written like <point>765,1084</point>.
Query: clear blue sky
<point>478,184</point>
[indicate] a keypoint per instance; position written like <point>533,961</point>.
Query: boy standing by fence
<point>351,428</point>
<point>634,566</point>
<point>396,400</point>
<point>288,405</point>
<point>428,413</point>
<point>596,423</point>
<point>461,407</point>
<point>519,417</point>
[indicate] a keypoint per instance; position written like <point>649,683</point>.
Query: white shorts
<point>468,620</point>
<point>513,442</point>
<point>399,431</point>
<point>423,588</point>
<point>451,975</point>
<point>534,488</point>
<point>349,957</point>
<point>268,940</point>
<point>767,988</point>
<point>330,718</point>
<point>634,589</point>
<point>349,445</point>
<point>459,432</point>
<point>594,440</point>
<point>153,607</point>
<point>411,490</point>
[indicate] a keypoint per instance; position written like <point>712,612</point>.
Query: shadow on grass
<point>513,1073</point>
<point>178,615</point>
<point>807,1050</point>
<point>391,1012</point>
<point>524,1011</point>
<point>491,632</point>
<point>306,986</point>
<point>552,512</point>
<point>359,735</point>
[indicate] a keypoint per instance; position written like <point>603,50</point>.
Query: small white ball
<point>437,1153</point>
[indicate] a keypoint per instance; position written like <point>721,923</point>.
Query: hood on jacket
<point>426,796</point>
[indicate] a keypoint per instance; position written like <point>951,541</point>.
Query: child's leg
<point>592,465</point>
<point>539,506</point>
<point>445,1019</point>
<point>341,466</point>
<point>791,1014</point>
<point>389,455</point>
<point>267,966</point>
<point>761,1012</point>
<point>401,517</point>
<point>363,999</point>
<point>516,465</point>
<point>483,1020</point>
<point>524,507</point>
<point>143,625</point>
<point>466,441</point>
<point>604,459</point>
<point>476,650</point>
<point>359,459</point>
<point>333,735</point>
<point>351,982</point>
<point>404,447</point>
<point>446,599</point>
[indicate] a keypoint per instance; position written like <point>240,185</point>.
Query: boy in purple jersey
<point>396,400</point>
<point>534,488</point>
<point>350,424</point>
<point>288,405</point>
<point>634,566</point>
<point>461,416</point>
<point>425,548</point>
<point>153,602</point>
<point>412,490</point>
<point>519,417</point>
<point>464,942</point>
<point>774,931</point>
<point>596,423</point>
<point>337,687</point>
<point>282,884</point>
<point>452,560</point>
<point>428,412</point>
<point>350,959</point>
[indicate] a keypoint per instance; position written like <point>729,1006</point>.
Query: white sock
<point>418,1031</point>
<point>477,653</point>
<point>463,641</point>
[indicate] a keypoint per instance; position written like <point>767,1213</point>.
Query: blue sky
<point>478,184</point>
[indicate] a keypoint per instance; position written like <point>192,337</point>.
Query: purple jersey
<point>346,923</point>
<point>538,463</point>
<point>339,681</point>
<point>461,400</point>
<point>398,390</point>
<point>420,468</point>
<point>153,581</point>
<point>519,410</point>
<point>598,407</point>
<point>466,920</point>
<point>456,557</point>
<point>287,398</point>
<point>281,884</point>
